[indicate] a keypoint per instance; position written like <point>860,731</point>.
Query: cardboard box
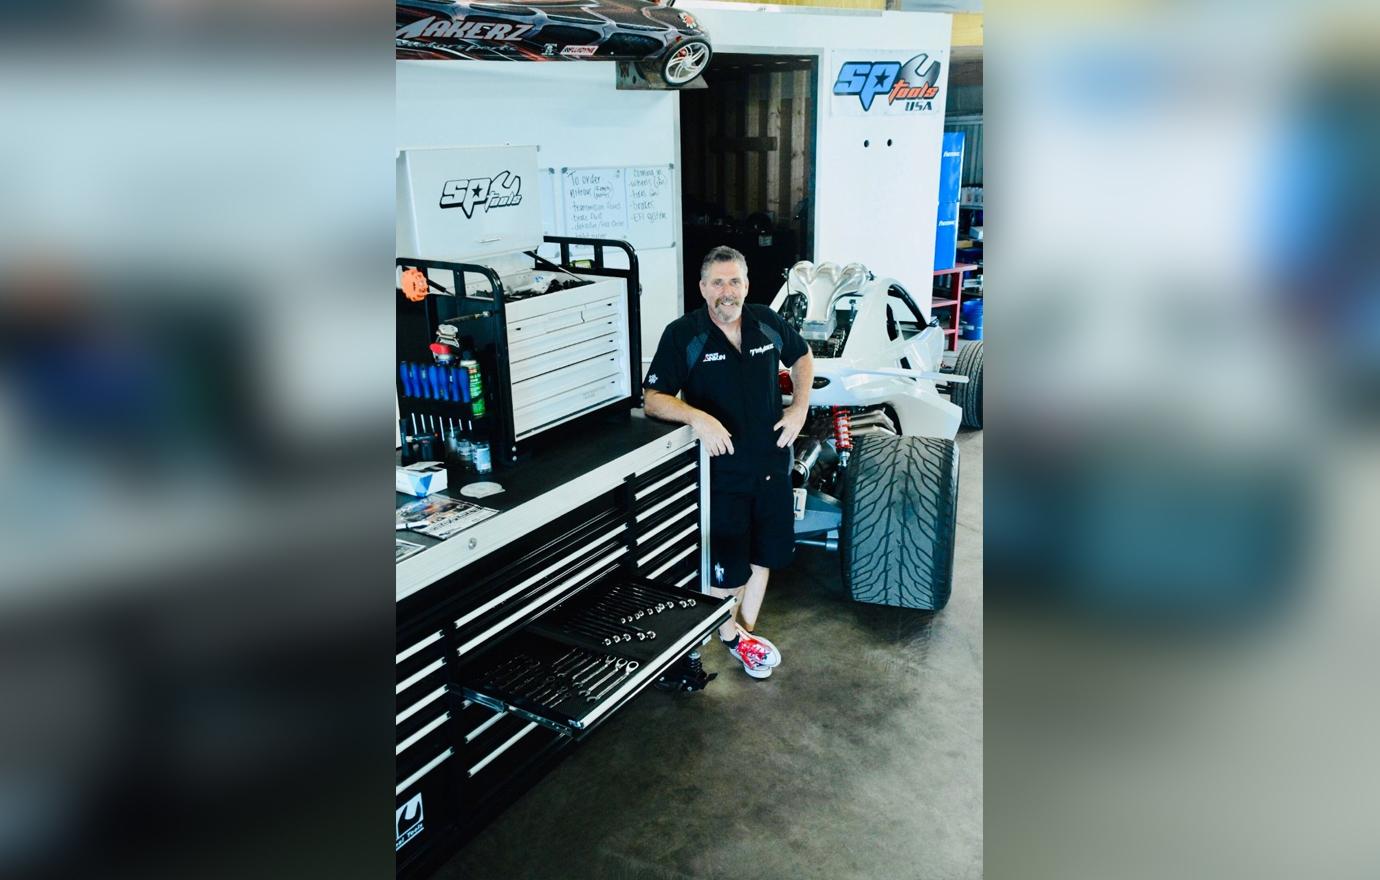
<point>420,479</point>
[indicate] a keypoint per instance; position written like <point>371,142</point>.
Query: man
<point>724,359</point>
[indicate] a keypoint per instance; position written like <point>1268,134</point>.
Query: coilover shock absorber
<point>843,433</point>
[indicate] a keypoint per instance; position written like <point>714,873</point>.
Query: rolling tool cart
<point>522,633</point>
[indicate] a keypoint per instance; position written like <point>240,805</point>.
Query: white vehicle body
<point>872,368</point>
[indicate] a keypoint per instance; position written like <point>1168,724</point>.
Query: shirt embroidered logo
<point>652,379</point>
<point>761,348</point>
<point>714,356</point>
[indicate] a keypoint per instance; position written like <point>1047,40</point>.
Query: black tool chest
<point>522,634</point>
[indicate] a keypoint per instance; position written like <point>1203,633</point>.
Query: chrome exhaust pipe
<point>807,451</point>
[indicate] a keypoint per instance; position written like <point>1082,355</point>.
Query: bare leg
<point>754,591</point>
<point>730,627</point>
<point>749,596</point>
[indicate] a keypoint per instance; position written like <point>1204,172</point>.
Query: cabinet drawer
<point>571,667</point>
<point>526,310</point>
<point>539,376</point>
<point>569,404</point>
<point>534,346</point>
<point>565,382</point>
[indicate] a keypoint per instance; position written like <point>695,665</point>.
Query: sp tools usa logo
<point>914,84</point>
<point>502,191</point>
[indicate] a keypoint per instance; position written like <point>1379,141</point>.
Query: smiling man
<point>724,360</point>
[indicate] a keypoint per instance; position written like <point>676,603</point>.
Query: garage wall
<point>573,113</point>
<point>873,204</point>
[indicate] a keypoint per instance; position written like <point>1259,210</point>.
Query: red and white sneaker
<point>771,657</point>
<point>751,654</point>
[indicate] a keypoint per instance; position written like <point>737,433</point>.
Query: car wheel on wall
<point>969,394</point>
<point>682,63</point>
<point>900,508</point>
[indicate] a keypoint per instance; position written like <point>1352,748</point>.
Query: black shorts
<point>749,522</point>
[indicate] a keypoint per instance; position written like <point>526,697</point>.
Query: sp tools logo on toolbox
<point>914,84</point>
<point>407,823</point>
<point>503,191</point>
<point>460,29</point>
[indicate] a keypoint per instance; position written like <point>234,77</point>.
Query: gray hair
<point>722,254</point>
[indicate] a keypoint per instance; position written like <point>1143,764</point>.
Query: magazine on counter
<point>440,517</point>
<point>405,549</point>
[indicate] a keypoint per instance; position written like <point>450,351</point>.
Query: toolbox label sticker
<point>408,823</point>
<point>432,28</point>
<point>503,191</point>
<point>910,87</point>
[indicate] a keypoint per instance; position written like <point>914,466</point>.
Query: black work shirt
<point>739,388</point>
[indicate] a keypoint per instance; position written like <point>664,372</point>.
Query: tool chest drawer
<point>564,393</point>
<point>568,354</point>
<point>668,540</point>
<point>570,668</point>
<point>523,591</point>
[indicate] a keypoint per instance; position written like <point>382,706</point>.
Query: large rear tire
<point>969,394</point>
<point>900,508</point>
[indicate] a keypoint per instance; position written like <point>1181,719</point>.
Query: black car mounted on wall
<point>661,40</point>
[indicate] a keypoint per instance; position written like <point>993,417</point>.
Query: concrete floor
<point>861,757</point>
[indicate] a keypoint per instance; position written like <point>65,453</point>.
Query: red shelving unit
<point>956,292</point>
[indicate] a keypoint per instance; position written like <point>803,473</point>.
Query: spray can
<point>482,462</point>
<point>476,387</point>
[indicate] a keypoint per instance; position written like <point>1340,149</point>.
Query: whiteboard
<point>632,203</point>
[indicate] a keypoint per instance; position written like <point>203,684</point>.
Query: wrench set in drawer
<point>563,676</point>
<point>622,613</point>
<point>576,674</point>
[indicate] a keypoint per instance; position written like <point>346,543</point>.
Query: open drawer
<point>576,664</point>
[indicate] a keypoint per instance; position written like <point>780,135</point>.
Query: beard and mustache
<point>724,307</point>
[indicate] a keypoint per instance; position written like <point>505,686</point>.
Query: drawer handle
<point>431,765</point>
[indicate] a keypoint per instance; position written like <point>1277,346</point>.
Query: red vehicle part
<point>843,432</point>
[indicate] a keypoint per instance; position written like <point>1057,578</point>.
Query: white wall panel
<point>570,110</point>
<point>874,204</point>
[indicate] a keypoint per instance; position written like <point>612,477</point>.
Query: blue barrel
<point>970,319</point>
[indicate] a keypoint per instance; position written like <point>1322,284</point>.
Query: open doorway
<point>747,147</point>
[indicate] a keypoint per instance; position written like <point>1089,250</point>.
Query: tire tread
<point>969,394</point>
<point>899,514</point>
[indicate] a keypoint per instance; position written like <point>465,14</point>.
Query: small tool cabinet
<point>554,341</point>
<point>498,670</point>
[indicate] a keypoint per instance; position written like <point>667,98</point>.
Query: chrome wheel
<point>686,63</point>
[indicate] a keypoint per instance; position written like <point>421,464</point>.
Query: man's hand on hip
<point>792,420</point>
<point>713,434</point>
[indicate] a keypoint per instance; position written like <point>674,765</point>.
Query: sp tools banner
<point>887,82</point>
